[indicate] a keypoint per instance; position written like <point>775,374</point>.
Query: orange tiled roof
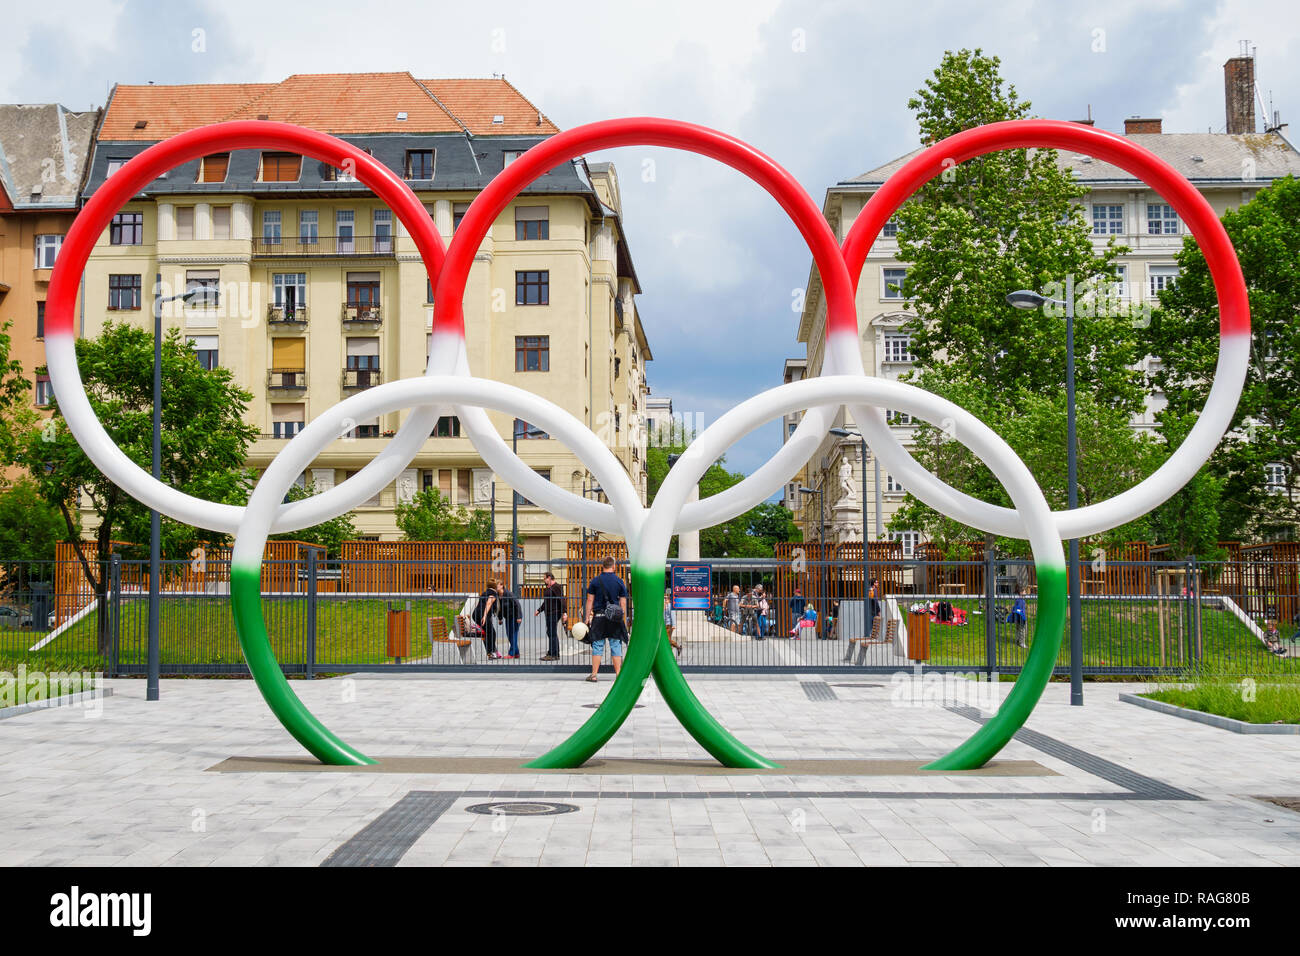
<point>351,103</point>
<point>339,103</point>
<point>476,102</point>
<point>172,109</point>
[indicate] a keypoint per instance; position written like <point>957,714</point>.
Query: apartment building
<point>43,152</point>
<point>1228,168</point>
<point>311,290</point>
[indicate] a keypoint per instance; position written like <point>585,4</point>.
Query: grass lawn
<point>202,631</point>
<point>1254,703</point>
<point>1117,634</point>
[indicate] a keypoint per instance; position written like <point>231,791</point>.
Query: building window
<point>363,356</point>
<point>47,250</point>
<point>1275,475</point>
<point>345,229</point>
<point>1118,287</point>
<point>524,502</point>
<point>1161,219</point>
<point>910,540</point>
<point>533,288</point>
<point>1107,219</point>
<point>618,366</point>
<point>185,222</point>
<point>286,419</point>
<point>281,167</point>
<point>127,229</point>
<point>419,164</point>
<point>892,487</point>
<point>897,418</point>
<point>207,282</point>
<point>214,167</point>
<point>428,290</point>
<point>890,230</point>
<point>898,347</point>
<point>309,227</point>
<point>458,210</point>
<point>220,222</point>
<point>205,350</point>
<point>114,165</point>
<point>893,280</point>
<point>532,222</point>
<point>40,319</point>
<point>532,353</point>
<point>448,426</point>
<point>523,431</point>
<point>368,429</point>
<point>289,292</point>
<point>123,292</point>
<point>44,390</point>
<point>363,292</point>
<point>383,231</point>
<point>1160,277</point>
<point>509,156</point>
<point>271,227</point>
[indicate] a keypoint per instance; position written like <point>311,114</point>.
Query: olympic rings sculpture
<point>449,384</point>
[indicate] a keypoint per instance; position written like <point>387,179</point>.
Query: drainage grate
<point>384,840</point>
<point>1090,763</point>
<point>518,809</point>
<point>818,690</point>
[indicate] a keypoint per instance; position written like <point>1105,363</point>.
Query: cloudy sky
<point>822,87</point>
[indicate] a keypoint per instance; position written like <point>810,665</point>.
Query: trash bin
<point>918,636</point>
<point>40,606</point>
<point>399,631</point>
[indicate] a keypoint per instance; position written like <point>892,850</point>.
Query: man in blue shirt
<point>607,617</point>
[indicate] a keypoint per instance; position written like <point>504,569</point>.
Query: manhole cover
<point>521,809</point>
<point>594,706</point>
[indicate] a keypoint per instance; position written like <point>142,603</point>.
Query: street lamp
<point>1027,299</point>
<point>821,539</point>
<point>155,524</point>
<point>595,488</point>
<point>867,616</point>
<point>527,431</point>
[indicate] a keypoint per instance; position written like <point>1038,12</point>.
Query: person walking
<point>511,612</point>
<point>606,615</point>
<point>482,615</point>
<point>762,612</point>
<point>749,614</point>
<point>1019,616</point>
<point>670,619</point>
<point>733,607</point>
<point>553,607</point>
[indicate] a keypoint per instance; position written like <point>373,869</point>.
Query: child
<point>1019,616</point>
<point>809,619</point>
<point>670,619</point>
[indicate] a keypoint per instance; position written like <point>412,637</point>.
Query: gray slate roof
<point>1222,159</point>
<point>43,149</point>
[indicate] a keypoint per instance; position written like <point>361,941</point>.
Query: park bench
<point>463,636</point>
<point>860,644</point>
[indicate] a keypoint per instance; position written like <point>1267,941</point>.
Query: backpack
<point>943,612</point>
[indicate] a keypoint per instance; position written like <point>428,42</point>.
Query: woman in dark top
<point>511,613</point>
<point>553,607</point>
<point>483,613</point>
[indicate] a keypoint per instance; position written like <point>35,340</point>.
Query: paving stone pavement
<point>132,786</point>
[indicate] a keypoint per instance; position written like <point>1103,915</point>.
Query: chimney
<point>1135,124</point>
<point>1239,93</point>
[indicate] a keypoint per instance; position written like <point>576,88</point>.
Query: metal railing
<point>298,247</point>
<point>333,616</point>
<point>359,378</point>
<point>286,378</point>
<point>280,315</point>
<point>362,313</point>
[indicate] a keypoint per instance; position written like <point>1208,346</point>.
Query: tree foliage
<point>330,534</point>
<point>430,516</point>
<point>1185,336</point>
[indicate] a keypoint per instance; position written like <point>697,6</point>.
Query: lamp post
<point>1027,299</point>
<point>155,523</point>
<point>527,431</point>
<point>594,487</point>
<point>867,615</point>
<point>821,537</point>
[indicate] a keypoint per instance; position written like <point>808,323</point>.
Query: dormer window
<point>214,168</point>
<point>281,167</point>
<point>419,164</point>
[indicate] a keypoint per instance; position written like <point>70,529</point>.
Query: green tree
<point>204,444</point>
<point>1185,336</point>
<point>430,516</point>
<point>16,412</point>
<point>330,534</point>
<point>29,529</point>
<point>748,535</point>
<point>994,224</point>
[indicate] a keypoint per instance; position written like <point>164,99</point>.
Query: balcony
<point>286,380</point>
<point>290,247</point>
<point>295,317</point>
<point>356,379</point>
<point>361,314</point>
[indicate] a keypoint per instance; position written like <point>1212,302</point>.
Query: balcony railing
<point>362,313</point>
<point>298,247</point>
<point>359,378</point>
<point>280,315</point>
<point>285,379</point>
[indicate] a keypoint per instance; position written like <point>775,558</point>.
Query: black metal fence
<point>327,617</point>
